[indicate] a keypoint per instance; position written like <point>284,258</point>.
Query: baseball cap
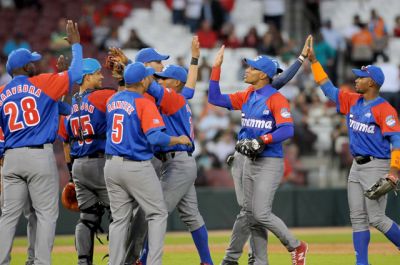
<point>20,57</point>
<point>89,66</point>
<point>173,71</point>
<point>372,71</point>
<point>148,55</point>
<point>136,72</point>
<point>278,67</point>
<point>264,64</point>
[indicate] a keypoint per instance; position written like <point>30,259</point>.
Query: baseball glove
<point>382,187</point>
<point>116,62</point>
<point>68,197</point>
<point>250,147</point>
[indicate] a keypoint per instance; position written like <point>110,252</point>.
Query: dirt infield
<point>316,248</point>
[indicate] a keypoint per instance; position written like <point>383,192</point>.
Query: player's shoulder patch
<point>285,113</point>
<point>390,121</point>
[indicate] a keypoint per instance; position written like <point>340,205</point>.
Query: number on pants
<point>30,114</point>
<point>86,126</point>
<point>117,128</point>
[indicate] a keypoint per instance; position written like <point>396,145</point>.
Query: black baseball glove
<point>384,185</point>
<point>250,147</point>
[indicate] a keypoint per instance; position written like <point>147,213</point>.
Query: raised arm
<point>214,93</point>
<point>75,70</point>
<point>289,73</point>
<point>321,77</point>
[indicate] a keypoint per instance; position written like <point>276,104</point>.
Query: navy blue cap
<point>264,64</point>
<point>136,72</point>
<point>372,71</point>
<point>20,57</point>
<point>148,55</point>
<point>174,72</point>
<point>89,66</point>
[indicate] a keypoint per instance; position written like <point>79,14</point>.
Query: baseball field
<point>327,246</point>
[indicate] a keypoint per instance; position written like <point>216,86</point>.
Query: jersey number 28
<point>30,114</point>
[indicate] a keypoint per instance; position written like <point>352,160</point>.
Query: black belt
<point>109,157</point>
<point>361,160</point>
<point>164,156</point>
<point>40,146</point>
<point>94,155</point>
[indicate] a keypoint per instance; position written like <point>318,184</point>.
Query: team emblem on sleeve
<point>285,113</point>
<point>390,121</point>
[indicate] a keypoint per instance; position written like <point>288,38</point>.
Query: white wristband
<point>301,58</point>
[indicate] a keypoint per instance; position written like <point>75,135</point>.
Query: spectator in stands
<point>134,41</point>
<point>204,70</point>
<point>101,32</point>
<point>336,41</point>
<point>214,13</point>
<point>178,11</point>
<point>85,31</point>
<point>223,144</point>
<point>193,14</point>
<point>324,52</point>
<point>396,29</point>
<point>206,161</point>
<point>118,9</point>
<point>207,36</point>
<point>362,47</point>
<point>271,43</point>
<point>13,43</point>
<point>380,35</point>
<point>273,12</point>
<point>312,14</point>
<point>181,62</point>
<point>4,77</point>
<point>112,40</point>
<point>228,36</point>
<point>251,40</point>
<point>58,45</point>
<point>228,6</point>
<point>91,15</point>
<point>391,87</point>
<point>348,33</point>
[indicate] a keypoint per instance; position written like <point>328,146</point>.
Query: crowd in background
<point>319,131</point>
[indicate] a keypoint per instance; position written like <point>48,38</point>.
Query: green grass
<point>183,257</point>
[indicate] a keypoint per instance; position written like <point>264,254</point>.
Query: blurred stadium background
<point>348,33</point>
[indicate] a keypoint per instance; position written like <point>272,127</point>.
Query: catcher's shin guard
<point>88,225</point>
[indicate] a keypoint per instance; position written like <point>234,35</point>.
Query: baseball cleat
<point>299,254</point>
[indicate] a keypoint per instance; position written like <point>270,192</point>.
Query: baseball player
<point>134,126</point>
<point>150,58</point>
<point>29,119</point>
<point>241,231</point>
<point>86,133</point>
<point>373,127</point>
<point>178,170</point>
<point>266,122</point>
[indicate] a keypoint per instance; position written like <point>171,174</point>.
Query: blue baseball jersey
<point>130,116</point>
<point>176,114</point>
<point>29,109</point>
<point>263,111</point>
<point>86,126</point>
<point>369,124</point>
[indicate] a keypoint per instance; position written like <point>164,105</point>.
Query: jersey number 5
<point>30,114</point>
<point>117,128</point>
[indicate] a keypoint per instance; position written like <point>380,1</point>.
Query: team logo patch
<point>285,113</point>
<point>156,121</point>
<point>390,121</point>
<point>266,112</point>
<point>368,115</point>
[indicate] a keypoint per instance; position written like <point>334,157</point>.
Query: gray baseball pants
<point>241,229</point>
<point>30,172</point>
<point>363,211</point>
<point>261,179</point>
<point>129,181</point>
<point>92,196</point>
